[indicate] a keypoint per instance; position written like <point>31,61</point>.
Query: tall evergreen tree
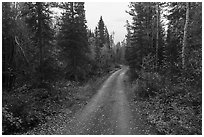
<point>8,45</point>
<point>103,44</point>
<point>73,40</point>
<point>101,31</point>
<point>97,47</point>
<point>128,36</point>
<point>38,18</point>
<point>141,40</point>
<point>146,35</point>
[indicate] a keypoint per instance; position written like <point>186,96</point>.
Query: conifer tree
<point>101,31</point>
<point>38,19</point>
<point>8,45</point>
<point>102,45</point>
<point>145,36</point>
<point>74,41</point>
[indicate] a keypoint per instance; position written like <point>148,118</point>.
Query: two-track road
<point>108,112</point>
<point>111,111</point>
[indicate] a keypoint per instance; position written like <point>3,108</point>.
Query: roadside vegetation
<point>31,108</point>
<point>173,107</point>
<point>50,61</point>
<point>166,75</point>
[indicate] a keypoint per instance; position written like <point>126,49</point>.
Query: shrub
<point>24,109</point>
<point>174,106</point>
<point>148,85</point>
<point>9,122</point>
<point>176,109</point>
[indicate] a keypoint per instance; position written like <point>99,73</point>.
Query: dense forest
<point>47,58</point>
<point>167,64</point>
<point>42,51</point>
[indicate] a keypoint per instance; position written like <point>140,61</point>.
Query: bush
<point>21,111</point>
<point>173,112</point>
<point>148,85</point>
<point>25,108</point>
<point>174,107</point>
<point>132,74</point>
<point>9,122</point>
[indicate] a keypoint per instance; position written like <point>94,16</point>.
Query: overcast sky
<point>114,17</point>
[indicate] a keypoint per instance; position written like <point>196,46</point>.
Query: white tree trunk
<point>185,34</point>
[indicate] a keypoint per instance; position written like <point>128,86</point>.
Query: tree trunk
<point>157,38</point>
<point>185,35</point>
<point>39,10</point>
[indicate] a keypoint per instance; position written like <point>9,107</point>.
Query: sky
<point>113,14</point>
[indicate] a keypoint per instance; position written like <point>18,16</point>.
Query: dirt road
<point>108,112</point>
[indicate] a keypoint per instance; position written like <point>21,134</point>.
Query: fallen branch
<point>21,49</point>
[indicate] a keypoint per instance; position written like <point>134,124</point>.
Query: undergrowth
<point>174,107</point>
<point>25,108</point>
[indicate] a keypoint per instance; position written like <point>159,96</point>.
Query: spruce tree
<point>38,19</point>
<point>73,40</point>
<point>144,36</point>
<point>8,45</point>
<point>101,31</point>
<point>102,45</point>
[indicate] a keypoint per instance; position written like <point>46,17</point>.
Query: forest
<point>52,62</point>
<point>167,64</point>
